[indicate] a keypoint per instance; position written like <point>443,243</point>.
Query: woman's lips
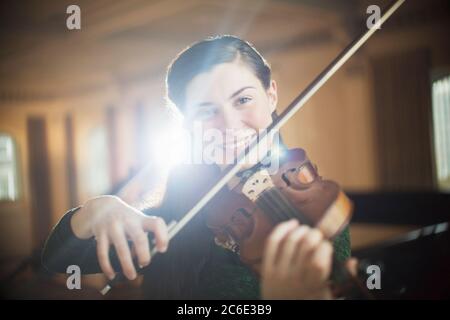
<point>240,143</point>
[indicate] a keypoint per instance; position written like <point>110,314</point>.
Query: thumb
<point>352,266</point>
<point>158,227</point>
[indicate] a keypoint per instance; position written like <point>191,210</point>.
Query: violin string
<point>273,208</point>
<point>267,208</point>
<point>285,206</point>
<point>279,207</point>
<point>293,211</point>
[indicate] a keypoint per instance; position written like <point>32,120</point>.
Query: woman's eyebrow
<point>239,91</point>
<point>207,103</point>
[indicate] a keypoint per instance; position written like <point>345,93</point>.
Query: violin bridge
<point>256,184</point>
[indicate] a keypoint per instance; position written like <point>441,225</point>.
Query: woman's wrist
<point>79,224</point>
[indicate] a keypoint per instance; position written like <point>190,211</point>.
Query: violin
<point>243,219</point>
<point>243,216</point>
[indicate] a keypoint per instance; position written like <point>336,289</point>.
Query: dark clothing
<point>194,267</point>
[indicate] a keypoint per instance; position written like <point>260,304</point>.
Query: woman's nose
<point>231,118</point>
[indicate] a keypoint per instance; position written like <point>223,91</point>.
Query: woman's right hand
<point>113,222</point>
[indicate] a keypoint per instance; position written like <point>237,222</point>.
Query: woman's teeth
<point>231,143</point>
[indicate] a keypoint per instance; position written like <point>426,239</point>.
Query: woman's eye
<point>243,100</point>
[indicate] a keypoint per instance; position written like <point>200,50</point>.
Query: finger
<point>140,244</point>
<point>103,255</point>
<point>307,245</point>
<point>352,266</point>
<point>159,228</point>
<point>274,240</point>
<point>118,238</point>
<point>291,246</point>
<point>321,261</point>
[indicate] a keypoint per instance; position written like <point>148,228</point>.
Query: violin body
<point>243,216</point>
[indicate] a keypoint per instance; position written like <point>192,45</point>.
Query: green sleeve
<point>342,245</point>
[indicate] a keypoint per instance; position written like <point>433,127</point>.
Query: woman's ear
<point>273,95</point>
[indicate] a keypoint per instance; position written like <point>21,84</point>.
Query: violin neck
<point>279,208</point>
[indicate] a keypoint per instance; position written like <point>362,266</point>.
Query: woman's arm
<point>63,249</point>
<point>85,235</point>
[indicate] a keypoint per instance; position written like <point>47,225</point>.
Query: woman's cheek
<point>213,124</point>
<point>259,119</point>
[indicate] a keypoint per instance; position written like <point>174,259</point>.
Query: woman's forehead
<point>220,82</point>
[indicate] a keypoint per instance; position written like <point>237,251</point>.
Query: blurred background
<point>82,111</point>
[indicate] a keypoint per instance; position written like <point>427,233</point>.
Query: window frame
<point>437,75</point>
<point>16,168</point>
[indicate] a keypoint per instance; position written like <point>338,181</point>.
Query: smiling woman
<point>224,84</point>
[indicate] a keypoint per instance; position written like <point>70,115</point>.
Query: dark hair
<point>203,55</point>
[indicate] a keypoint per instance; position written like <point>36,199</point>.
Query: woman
<point>226,85</point>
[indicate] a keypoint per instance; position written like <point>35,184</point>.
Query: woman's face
<point>231,99</point>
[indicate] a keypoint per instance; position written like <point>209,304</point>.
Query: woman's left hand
<point>296,264</point>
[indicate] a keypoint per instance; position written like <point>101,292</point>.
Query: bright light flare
<point>170,147</point>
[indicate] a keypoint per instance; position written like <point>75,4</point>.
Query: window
<point>441,126</point>
<point>98,177</point>
<point>9,190</point>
